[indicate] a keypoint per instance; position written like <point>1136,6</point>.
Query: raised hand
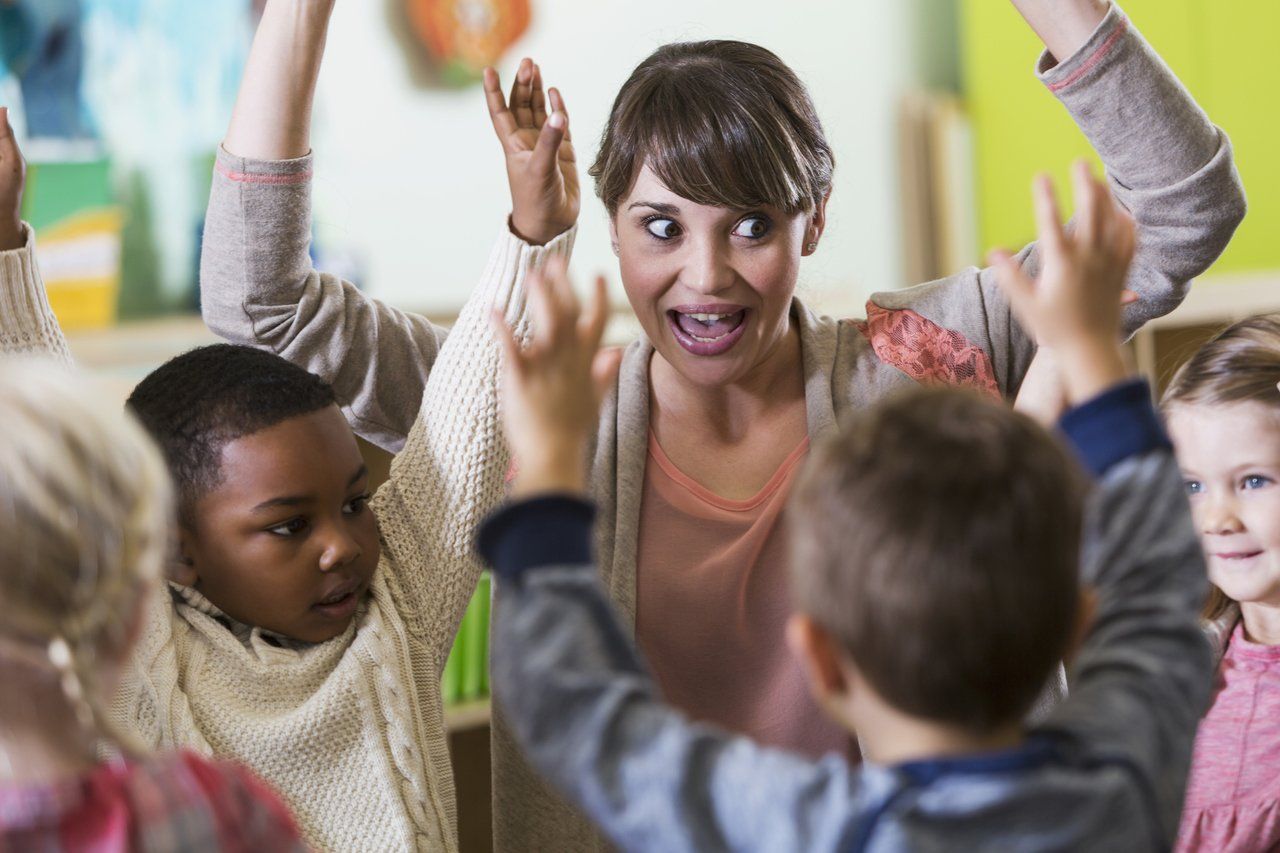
<point>13,178</point>
<point>553,386</point>
<point>542,169</point>
<point>1074,307</point>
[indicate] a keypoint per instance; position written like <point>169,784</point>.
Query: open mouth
<point>340,603</point>
<point>707,330</point>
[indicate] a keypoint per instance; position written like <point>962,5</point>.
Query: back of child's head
<point>84,525</point>
<point>937,538</point>
<point>1240,364</point>
<point>196,403</point>
<point>722,123</point>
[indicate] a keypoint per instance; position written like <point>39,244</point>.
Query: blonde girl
<point>1223,408</point>
<point>84,524</point>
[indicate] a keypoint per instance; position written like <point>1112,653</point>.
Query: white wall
<point>414,179</point>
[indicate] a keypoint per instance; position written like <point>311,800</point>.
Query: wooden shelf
<point>465,716</point>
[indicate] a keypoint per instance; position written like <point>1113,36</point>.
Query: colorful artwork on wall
<point>42,47</point>
<point>463,36</point>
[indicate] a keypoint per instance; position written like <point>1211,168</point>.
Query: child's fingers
<point>604,370</point>
<point>593,323</point>
<point>547,149</point>
<point>504,122</point>
<point>539,98</point>
<point>1128,297</point>
<point>1015,283</point>
<point>542,310</point>
<point>522,94</point>
<point>511,355</point>
<point>1048,219</point>
<point>557,106</point>
<point>1091,205</point>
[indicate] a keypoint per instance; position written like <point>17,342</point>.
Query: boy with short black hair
<point>937,586</point>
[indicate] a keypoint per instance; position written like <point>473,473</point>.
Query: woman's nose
<point>708,270</point>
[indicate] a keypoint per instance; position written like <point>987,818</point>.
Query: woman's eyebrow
<point>655,205</point>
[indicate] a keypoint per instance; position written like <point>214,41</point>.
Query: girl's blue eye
<point>1193,487</point>
<point>292,527</point>
<point>752,227</point>
<point>663,229</point>
<point>1255,481</point>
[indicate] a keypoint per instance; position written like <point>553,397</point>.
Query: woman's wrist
<point>1064,26</point>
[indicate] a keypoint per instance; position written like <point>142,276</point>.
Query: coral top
<point>1233,792</point>
<point>712,607</point>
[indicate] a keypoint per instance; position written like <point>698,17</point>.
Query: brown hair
<point>937,537</point>
<point>1240,364</point>
<point>722,123</point>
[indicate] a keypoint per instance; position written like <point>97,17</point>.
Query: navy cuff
<point>545,531</point>
<point>1115,425</point>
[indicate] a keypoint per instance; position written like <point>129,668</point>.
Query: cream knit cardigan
<point>350,731</point>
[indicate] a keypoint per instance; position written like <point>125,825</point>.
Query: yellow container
<point>80,260</point>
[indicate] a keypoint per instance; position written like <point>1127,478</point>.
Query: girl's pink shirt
<point>1233,792</point>
<point>712,607</point>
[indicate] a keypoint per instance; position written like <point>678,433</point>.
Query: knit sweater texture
<point>349,731</point>
<point>1166,163</point>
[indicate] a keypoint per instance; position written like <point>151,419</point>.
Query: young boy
<point>936,580</point>
<point>299,634</point>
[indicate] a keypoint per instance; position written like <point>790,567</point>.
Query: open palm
<point>542,169</point>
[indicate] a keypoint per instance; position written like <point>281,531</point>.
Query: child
<point>937,537</point>
<point>297,633</point>
<point>714,170</point>
<point>1223,408</point>
<point>84,521</point>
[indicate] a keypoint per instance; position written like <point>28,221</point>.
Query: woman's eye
<point>292,527</point>
<point>355,506</point>
<point>1193,487</point>
<point>1255,481</point>
<point>663,229</point>
<point>753,228</point>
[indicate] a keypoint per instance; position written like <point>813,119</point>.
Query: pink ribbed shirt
<point>712,607</point>
<point>1233,792</point>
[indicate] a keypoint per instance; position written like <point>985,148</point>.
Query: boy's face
<point>287,542</point>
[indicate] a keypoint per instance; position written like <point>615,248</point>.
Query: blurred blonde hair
<point>84,526</point>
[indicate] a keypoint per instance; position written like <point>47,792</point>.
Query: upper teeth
<point>709,318</point>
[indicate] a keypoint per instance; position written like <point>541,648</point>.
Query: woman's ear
<point>817,224</point>
<point>613,233</point>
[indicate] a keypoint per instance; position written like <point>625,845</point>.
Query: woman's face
<point>712,286</point>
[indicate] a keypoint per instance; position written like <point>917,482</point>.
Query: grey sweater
<point>1166,162</point>
<point>1105,771</point>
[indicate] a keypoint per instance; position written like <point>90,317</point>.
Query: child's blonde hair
<point>1240,364</point>
<point>84,524</point>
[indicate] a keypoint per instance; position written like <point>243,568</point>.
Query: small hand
<point>552,388</point>
<point>542,169</point>
<point>1074,308</point>
<point>13,178</point>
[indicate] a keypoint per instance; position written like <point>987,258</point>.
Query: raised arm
<point>1144,674</point>
<point>258,285</point>
<point>567,676</point>
<point>1166,163</point>
<point>27,324</point>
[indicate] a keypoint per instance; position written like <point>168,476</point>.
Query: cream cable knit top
<point>350,731</point>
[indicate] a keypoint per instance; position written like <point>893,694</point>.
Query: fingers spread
<point>504,122</point>
<point>539,98</point>
<point>1014,282</point>
<point>547,149</point>
<point>522,94</point>
<point>592,325</point>
<point>557,106</point>
<point>1048,218</point>
<point>1091,203</point>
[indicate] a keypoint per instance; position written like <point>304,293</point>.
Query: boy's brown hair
<point>723,123</point>
<point>937,536</point>
<point>1240,364</point>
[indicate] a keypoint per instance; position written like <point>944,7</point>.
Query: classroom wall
<point>413,180</point>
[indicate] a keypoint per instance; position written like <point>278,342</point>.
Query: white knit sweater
<point>350,731</point>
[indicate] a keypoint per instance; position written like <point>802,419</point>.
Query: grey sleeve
<point>589,718</point>
<point>258,287</point>
<point>1143,677</point>
<point>1166,163</point>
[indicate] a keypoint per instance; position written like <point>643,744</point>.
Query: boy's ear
<point>820,655</point>
<point>182,563</point>
<point>1086,612</point>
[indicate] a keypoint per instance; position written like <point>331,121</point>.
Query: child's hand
<point>1074,307</point>
<point>13,177</point>
<point>541,167</point>
<point>552,388</point>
